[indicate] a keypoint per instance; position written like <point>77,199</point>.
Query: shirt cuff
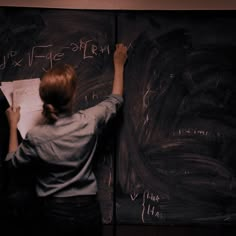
<point>9,156</point>
<point>117,97</point>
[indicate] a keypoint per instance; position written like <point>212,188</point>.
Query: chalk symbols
<point>133,196</point>
<point>130,46</point>
<point>88,49</point>
<point>150,206</point>
<point>203,133</point>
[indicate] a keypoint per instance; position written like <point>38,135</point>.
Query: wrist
<point>13,127</point>
<point>119,72</point>
<point>119,66</point>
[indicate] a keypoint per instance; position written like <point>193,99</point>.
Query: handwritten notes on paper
<point>24,93</point>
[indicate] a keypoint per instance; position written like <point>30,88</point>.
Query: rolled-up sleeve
<point>25,153</point>
<point>105,110</point>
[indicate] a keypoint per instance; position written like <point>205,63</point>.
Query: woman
<point>63,149</point>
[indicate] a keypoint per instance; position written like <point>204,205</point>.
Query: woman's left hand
<point>13,116</point>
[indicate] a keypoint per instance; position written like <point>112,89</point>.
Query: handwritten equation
<point>150,208</point>
<point>191,132</point>
<point>51,53</point>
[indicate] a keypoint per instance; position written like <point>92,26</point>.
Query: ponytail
<point>50,113</point>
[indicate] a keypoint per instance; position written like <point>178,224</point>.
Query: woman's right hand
<point>120,55</point>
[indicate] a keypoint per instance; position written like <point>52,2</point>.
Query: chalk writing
<point>133,196</point>
<point>130,45</point>
<point>53,53</point>
<point>92,97</point>
<point>197,132</point>
<point>150,209</point>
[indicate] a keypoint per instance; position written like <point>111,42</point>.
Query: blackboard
<point>169,156</point>
<point>33,40</point>
<point>176,161</point>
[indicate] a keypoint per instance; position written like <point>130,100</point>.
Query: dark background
<point>166,164</point>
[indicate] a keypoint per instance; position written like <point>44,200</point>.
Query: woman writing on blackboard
<point>63,149</point>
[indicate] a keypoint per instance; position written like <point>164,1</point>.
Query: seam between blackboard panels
<point>114,228</point>
<point>116,27</point>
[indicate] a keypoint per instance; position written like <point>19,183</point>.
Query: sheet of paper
<point>28,120</point>
<point>25,93</point>
<point>7,89</point>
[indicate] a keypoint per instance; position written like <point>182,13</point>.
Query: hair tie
<point>50,112</point>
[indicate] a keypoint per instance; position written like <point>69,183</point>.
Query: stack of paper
<point>25,93</point>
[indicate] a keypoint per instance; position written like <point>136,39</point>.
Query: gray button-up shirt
<point>64,151</point>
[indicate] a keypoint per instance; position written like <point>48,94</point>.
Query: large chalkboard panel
<point>174,142</point>
<point>176,156</point>
<point>33,40</point>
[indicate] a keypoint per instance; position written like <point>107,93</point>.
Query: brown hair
<point>57,89</point>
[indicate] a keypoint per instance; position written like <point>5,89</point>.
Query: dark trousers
<point>70,216</point>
